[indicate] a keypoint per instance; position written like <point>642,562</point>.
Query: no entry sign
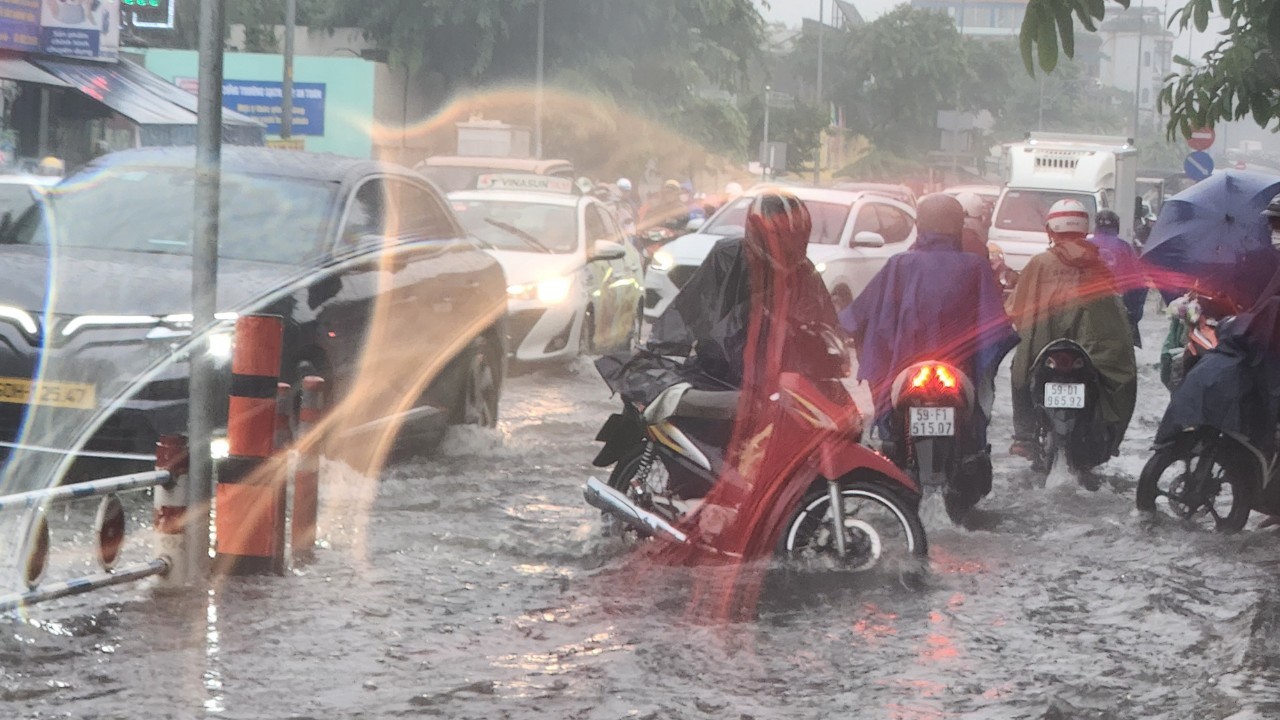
<point>1201,139</point>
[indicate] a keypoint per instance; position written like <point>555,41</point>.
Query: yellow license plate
<point>20,391</point>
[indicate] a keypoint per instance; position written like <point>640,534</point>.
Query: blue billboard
<point>20,25</point>
<point>262,100</point>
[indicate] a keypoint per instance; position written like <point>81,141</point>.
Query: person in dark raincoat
<point>1068,292</point>
<point>1122,260</point>
<point>933,302</point>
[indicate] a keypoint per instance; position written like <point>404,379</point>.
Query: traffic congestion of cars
<point>534,267</point>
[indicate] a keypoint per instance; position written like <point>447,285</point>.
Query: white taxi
<point>574,280</point>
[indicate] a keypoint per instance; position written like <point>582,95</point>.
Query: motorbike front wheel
<point>880,529</point>
<point>1201,479</point>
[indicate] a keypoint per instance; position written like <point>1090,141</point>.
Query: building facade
<point>1136,55</point>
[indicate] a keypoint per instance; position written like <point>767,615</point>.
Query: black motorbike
<point>932,435</point>
<point>1065,389</point>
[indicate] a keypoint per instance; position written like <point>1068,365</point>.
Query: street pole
<point>537,100</point>
<point>1137,90</point>
<point>286,88</point>
<point>817,157</point>
<point>764,147</point>
<point>204,282</point>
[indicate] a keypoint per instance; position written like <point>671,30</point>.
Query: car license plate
<point>21,391</point>
<point>1064,395</point>
<point>933,422</point>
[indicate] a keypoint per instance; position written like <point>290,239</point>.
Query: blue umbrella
<point>1207,229</point>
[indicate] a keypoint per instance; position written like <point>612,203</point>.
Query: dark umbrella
<point>1207,230</point>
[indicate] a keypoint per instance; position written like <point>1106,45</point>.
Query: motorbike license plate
<point>933,422</point>
<point>21,391</point>
<point>1064,395</point>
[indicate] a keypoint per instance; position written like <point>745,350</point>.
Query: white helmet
<point>972,204</point>
<point>624,184</point>
<point>1067,217</point>
<point>733,191</point>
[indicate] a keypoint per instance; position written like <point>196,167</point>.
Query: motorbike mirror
<point>607,250</point>
<point>695,224</point>
<point>868,239</point>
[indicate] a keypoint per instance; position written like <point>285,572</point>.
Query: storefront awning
<point>17,68</point>
<point>134,92</point>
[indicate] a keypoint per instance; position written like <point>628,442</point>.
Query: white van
<point>1098,171</point>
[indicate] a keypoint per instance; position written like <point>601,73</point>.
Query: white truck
<point>1097,170</point>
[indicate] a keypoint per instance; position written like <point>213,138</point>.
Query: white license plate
<point>933,422</point>
<point>1064,395</point>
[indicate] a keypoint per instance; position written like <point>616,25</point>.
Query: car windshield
<point>828,220</point>
<point>520,226</point>
<point>151,210</point>
<point>1026,210</point>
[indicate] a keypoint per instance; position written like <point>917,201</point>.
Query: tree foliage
<point>1239,76</point>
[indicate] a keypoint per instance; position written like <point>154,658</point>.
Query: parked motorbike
<point>843,503</point>
<point>932,437</point>
<point>1194,330</point>
<point>1065,388</point>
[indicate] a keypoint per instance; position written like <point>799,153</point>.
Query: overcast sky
<point>792,12</point>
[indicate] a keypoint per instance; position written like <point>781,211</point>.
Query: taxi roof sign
<point>514,181</point>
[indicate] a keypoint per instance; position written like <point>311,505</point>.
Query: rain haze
<point>559,358</point>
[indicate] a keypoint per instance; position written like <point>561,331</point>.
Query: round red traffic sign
<point>1201,138</point>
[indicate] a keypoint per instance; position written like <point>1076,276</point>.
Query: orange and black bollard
<point>306,483</point>
<point>171,500</point>
<point>249,503</point>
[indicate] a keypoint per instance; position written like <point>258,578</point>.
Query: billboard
<point>84,29</point>
<point>20,25</point>
<point>262,100</point>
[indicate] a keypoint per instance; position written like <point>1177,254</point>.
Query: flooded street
<point>476,585</point>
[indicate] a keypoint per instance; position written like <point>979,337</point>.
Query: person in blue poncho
<point>1125,267</point>
<point>933,302</point>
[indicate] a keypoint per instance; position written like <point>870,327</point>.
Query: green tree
<point>1240,76</point>
<point>795,124</point>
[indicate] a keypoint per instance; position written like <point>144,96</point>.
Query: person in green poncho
<point>1068,292</point>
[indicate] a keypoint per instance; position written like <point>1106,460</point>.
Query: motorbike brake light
<point>940,377</point>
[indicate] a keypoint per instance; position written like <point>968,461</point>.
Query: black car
<point>380,291</point>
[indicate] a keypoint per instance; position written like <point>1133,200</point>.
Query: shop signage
<point>148,13</point>
<point>262,100</point>
<point>86,29</point>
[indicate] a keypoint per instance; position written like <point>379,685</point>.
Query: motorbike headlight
<point>663,261</point>
<point>19,317</point>
<point>820,267</point>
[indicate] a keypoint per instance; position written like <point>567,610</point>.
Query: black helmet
<point>1107,219</point>
<point>939,213</point>
<point>1273,208</point>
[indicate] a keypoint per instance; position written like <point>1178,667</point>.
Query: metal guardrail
<point>169,482</point>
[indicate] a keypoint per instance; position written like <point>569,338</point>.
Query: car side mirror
<point>695,224</point>
<point>868,239</point>
<point>607,250</point>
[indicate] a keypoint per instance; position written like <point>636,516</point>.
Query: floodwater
<point>476,585</point>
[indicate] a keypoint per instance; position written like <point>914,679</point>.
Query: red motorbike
<point>1194,330</point>
<point>841,504</point>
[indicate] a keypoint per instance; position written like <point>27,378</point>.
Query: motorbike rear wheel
<point>1198,479</point>
<point>880,528</point>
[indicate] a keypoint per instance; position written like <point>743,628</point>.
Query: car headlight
<point>820,267</point>
<point>19,317</point>
<point>663,261</point>
<point>551,291</point>
<point>221,344</point>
